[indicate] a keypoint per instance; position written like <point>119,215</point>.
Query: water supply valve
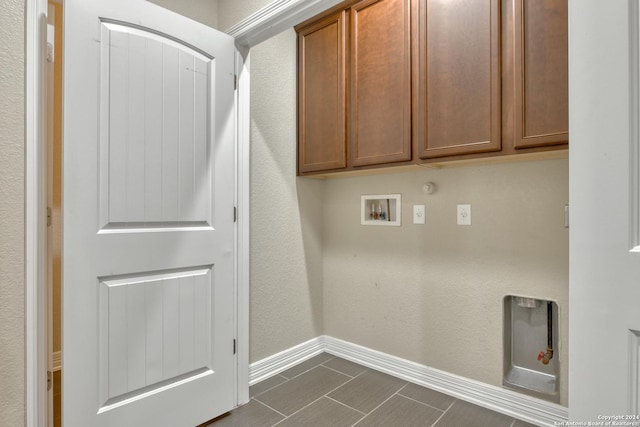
<point>545,357</point>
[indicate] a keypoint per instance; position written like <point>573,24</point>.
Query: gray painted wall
<point>12,267</point>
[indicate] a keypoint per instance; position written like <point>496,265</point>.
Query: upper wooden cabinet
<point>457,77</point>
<point>536,73</point>
<point>322,109</point>
<point>380,85</point>
<point>388,82</point>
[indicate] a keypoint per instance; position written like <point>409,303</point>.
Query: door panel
<point>155,98</point>
<point>149,167</point>
<point>155,331</point>
<point>322,132</point>
<point>380,86</point>
<point>541,82</point>
<point>604,166</point>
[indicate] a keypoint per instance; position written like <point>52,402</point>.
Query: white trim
<point>284,360</point>
<point>634,131</point>
<point>243,162</point>
<point>508,402</point>
<point>35,222</point>
<point>274,18</point>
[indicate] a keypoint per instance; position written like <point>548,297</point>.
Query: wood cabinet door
<point>380,102</point>
<point>540,64</point>
<point>457,78</point>
<point>322,133</point>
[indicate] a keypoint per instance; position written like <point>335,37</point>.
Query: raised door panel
<point>380,86</point>
<point>155,154</point>
<point>457,78</point>
<point>322,135</point>
<point>541,73</point>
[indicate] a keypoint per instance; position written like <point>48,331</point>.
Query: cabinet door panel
<point>380,114</point>
<point>457,86</point>
<point>541,73</point>
<point>322,135</point>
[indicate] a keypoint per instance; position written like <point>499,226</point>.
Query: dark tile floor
<point>327,391</point>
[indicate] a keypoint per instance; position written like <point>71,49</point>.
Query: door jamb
<point>243,182</point>
<point>36,348</point>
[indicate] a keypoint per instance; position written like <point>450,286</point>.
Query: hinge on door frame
<point>48,216</point>
<point>49,380</point>
<point>566,216</point>
<point>235,214</point>
<point>235,81</point>
<point>50,43</point>
<point>235,346</point>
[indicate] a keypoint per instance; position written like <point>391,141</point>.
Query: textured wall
<point>12,213</point>
<point>204,11</point>
<point>433,293</point>
<point>286,213</point>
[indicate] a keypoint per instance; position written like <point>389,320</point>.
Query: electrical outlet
<point>464,215</point>
<point>418,214</point>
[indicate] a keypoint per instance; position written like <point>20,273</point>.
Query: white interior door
<point>604,335</point>
<point>148,202</point>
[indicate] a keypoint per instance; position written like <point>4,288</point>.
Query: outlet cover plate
<point>464,215</point>
<point>418,214</point>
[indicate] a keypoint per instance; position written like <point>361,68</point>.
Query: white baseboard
<point>508,402</point>
<point>284,360</point>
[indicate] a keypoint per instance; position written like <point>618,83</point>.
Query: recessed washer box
<point>527,323</point>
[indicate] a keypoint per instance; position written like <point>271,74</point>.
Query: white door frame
<point>35,219</point>
<point>35,215</point>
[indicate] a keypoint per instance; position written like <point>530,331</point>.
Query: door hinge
<point>49,380</point>
<point>235,81</point>
<point>235,346</point>
<point>235,214</point>
<point>48,216</point>
<point>51,36</point>
<point>566,216</point>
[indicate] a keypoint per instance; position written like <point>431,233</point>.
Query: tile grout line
<point>274,410</point>
<point>311,403</point>
<point>443,414</point>
<point>422,403</point>
<point>395,393</point>
<point>443,410</point>
<point>304,407</point>
<point>277,385</point>
<point>363,415</point>
<point>345,405</point>
<point>331,391</point>
<point>313,367</point>
<point>340,372</point>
